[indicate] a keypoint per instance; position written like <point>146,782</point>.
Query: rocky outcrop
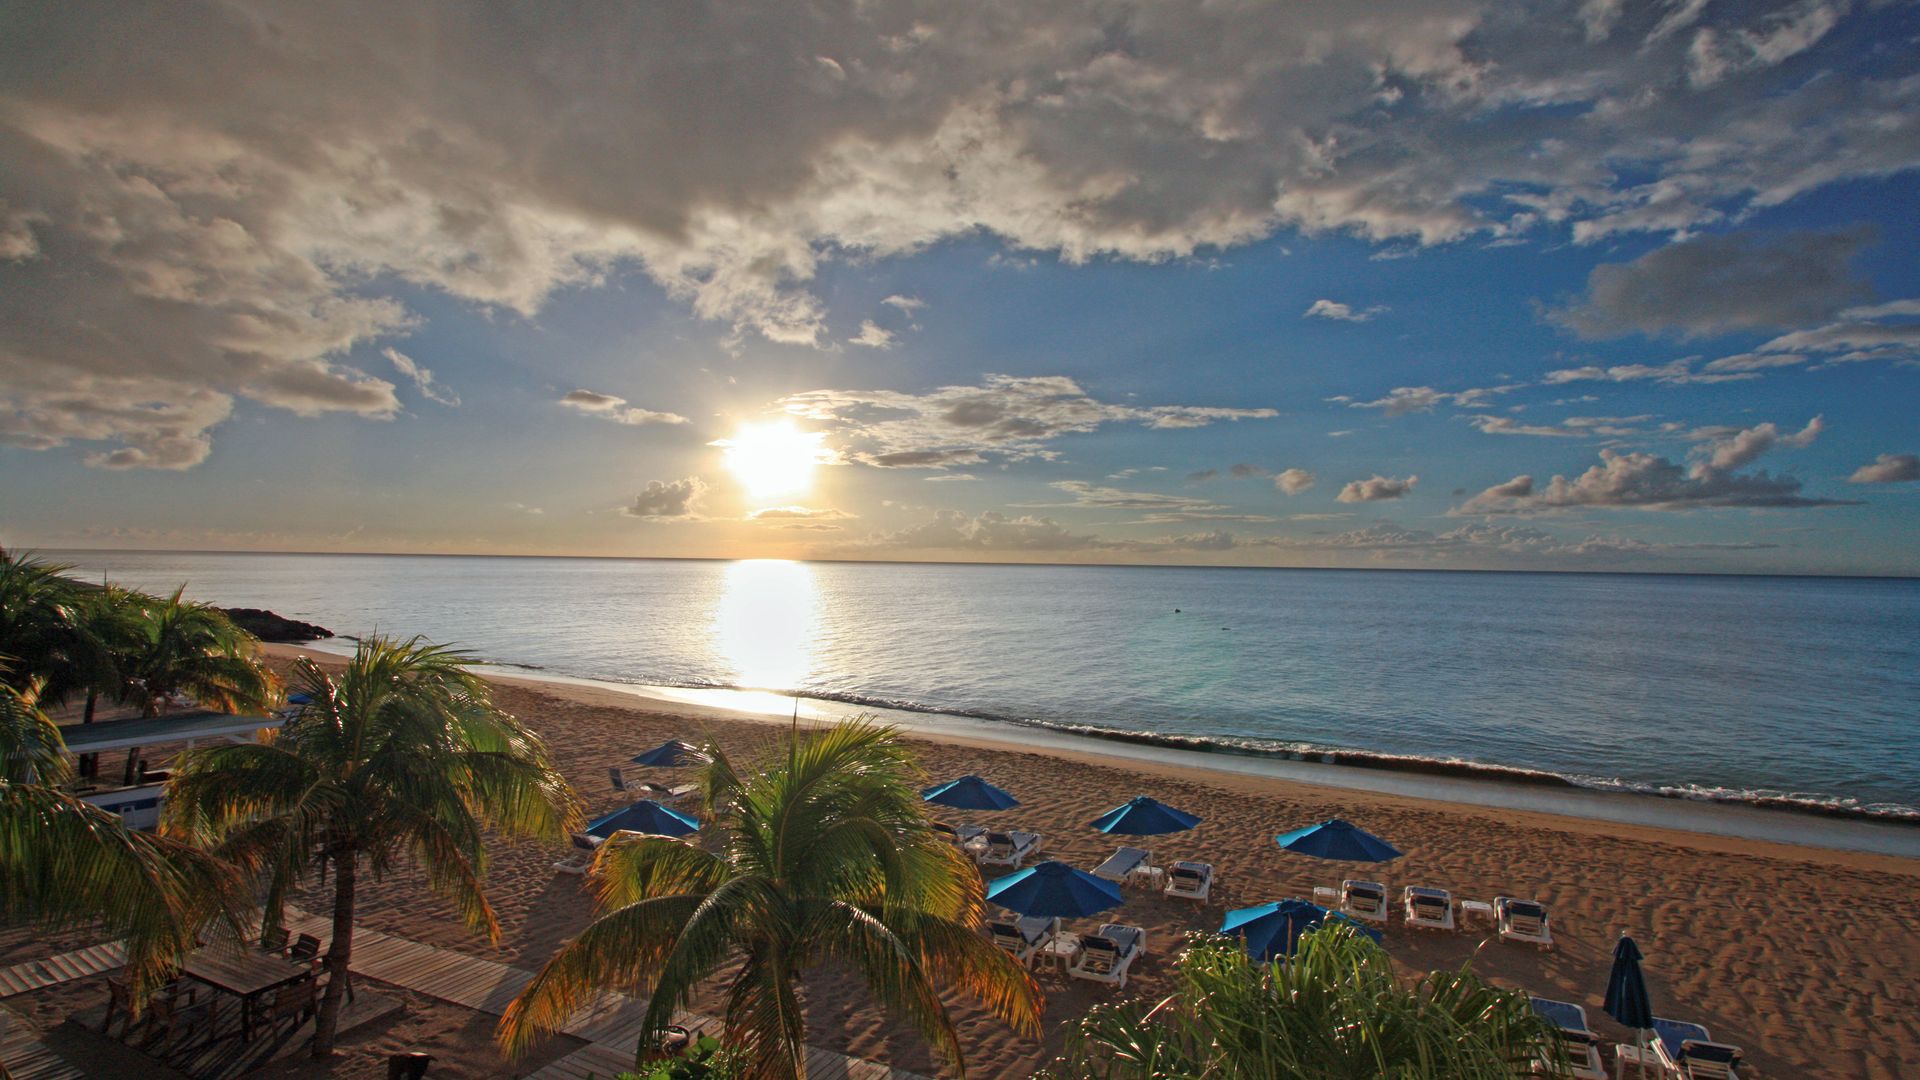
<point>267,626</point>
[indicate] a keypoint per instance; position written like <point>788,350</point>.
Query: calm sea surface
<point>1734,687</point>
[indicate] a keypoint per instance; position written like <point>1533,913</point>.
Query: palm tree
<point>823,854</point>
<point>37,618</point>
<point>180,647</point>
<point>65,862</point>
<point>1333,1011</point>
<point>402,755</point>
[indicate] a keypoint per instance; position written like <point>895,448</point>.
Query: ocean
<point>1802,692</point>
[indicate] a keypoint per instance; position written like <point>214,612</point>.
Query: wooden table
<point>245,973</point>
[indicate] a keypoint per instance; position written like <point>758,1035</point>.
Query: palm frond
<point>31,749</point>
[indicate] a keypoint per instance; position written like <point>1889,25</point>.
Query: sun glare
<point>775,458</point>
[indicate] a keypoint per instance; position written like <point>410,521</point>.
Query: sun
<point>774,458</point>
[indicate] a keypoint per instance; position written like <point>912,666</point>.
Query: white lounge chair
<point>1023,936</point>
<point>1364,900</point>
<point>1121,864</point>
<point>1685,1051</point>
<point>1522,920</point>
<point>1582,1046</point>
<point>958,835</point>
<point>1427,909</point>
<point>1190,881</point>
<point>1009,849</point>
<point>662,793</point>
<point>582,859</point>
<point>1105,957</point>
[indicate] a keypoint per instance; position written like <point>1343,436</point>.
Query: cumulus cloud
<point>1376,488</point>
<point>952,530</point>
<point>242,187</point>
<point>1335,310</point>
<point>1650,482</point>
<point>1294,481</point>
<point>1888,469</point>
<point>908,304</point>
<point>1402,400</point>
<point>873,336</point>
<point>1007,416</point>
<point>422,378</point>
<point>1573,427</point>
<point>616,409</point>
<point>667,500</point>
<point>1720,283</point>
<point>1674,373</point>
<point>1739,448</point>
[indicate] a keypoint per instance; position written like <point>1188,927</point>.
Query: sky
<point>1596,285</point>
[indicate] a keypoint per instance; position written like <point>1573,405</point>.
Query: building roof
<point>178,727</point>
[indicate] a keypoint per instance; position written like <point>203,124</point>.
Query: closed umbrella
<point>1627,998</point>
<point>645,816</point>
<point>671,755</point>
<point>1273,930</point>
<point>1338,840</point>
<point>1053,889</point>
<point>969,793</point>
<point>1144,816</point>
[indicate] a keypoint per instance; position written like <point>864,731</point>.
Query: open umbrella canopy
<point>671,754</point>
<point>1144,816</point>
<point>1273,930</point>
<point>1339,840</point>
<point>969,793</point>
<point>1627,999</point>
<point>645,816</point>
<point>1053,889</point>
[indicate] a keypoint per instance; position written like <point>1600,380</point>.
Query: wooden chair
<point>305,950</point>
<point>274,940</point>
<point>119,1000</point>
<point>300,1001</point>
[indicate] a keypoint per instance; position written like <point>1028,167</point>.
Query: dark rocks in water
<point>267,626</point>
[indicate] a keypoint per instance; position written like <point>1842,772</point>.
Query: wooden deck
<point>27,1058</point>
<point>78,964</point>
<point>610,1023</point>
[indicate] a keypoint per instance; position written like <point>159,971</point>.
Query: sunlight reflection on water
<point>765,623</point>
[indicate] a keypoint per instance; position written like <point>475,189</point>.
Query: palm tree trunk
<point>339,954</point>
<point>90,763</point>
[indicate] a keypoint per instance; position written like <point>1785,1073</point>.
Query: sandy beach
<point>1802,956</point>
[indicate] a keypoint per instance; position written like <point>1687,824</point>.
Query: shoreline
<point>1469,785</point>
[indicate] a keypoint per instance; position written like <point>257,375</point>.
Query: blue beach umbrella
<point>645,816</point>
<point>1339,840</point>
<point>969,793</point>
<point>671,754</point>
<point>1627,998</point>
<point>1273,930</point>
<point>1143,816</point>
<point>1053,889</point>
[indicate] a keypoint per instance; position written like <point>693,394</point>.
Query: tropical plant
<point>65,862</point>
<point>821,852</point>
<point>37,622</point>
<point>180,647</point>
<point>1334,1010</point>
<point>402,755</point>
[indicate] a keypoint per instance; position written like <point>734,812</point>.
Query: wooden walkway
<point>610,1023</point>
<point>36,974</point>
<point>25,1057</point>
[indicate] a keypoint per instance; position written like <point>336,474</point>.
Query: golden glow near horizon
<point>774,458</point>
<point>765,623</point>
